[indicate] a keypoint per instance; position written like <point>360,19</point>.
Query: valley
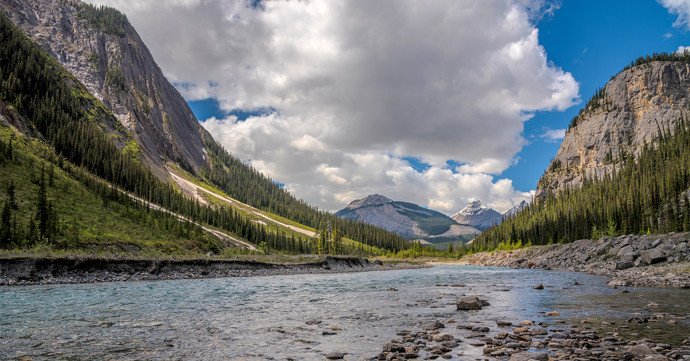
<point>177,200</point>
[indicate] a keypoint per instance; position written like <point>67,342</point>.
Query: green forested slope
<point>55,108</point>
<point>59,110</point>
<point>48,206</point>
<point>648,195</point>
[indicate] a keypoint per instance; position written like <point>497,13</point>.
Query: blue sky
<point>435,103</point>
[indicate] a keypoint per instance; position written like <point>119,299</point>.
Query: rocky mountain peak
<point>477,214</point>
<point>474,207</point>
<point>104,52</point>
<point>370,200</point>
<point>513,211</point>
<point>612,128</point>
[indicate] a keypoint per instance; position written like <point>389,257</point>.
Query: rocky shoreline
<point>32,271</point>
<point>523,341</point>
<point>631,260</point>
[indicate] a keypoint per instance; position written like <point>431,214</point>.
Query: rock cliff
<point>629,111</point>
<point>101,49</point>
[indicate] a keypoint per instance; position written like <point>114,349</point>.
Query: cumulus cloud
<point>553,135</point>
<point>680,8</point>
<point>683,49</point>
<point>358,85</point>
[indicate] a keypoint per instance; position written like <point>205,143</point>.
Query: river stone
<point>519,330</point>
<point>442,337</point>
<point>470,303</point>
<point>639,350</point>
<point>539,287</point>
<point>433,325</point>
<point>527,356</point>
<point>621,265</point>
<point>336,355</point>
<point>652,256</point>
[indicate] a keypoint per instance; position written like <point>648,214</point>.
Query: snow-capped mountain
<point>513,211</point>
<point>477,215</point>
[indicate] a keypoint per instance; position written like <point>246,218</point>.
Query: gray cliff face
<point>119,70</point>
<point>636,104</point>
<point>477,215</point>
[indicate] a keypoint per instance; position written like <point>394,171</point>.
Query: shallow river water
<point>303,317</point>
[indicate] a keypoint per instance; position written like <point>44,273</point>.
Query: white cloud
<point>680,8</point>
<point>683,49</point>
<point>358,85</point>
<point>554,135</point>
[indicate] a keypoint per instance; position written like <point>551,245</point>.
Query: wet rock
<point>435,325</point>
<point>336,355</point>
<point>392,289</point>
<point>639,350</point>
<point>504,324</point>
<point>539,287</point>
<point>538,331</point>
<point>527,323</point>
<point>621,265</point>
<point>442,337</point>
<point>519,330</point>
<point>553,313</point>
<point>470,303</point>
<point>528,356</point>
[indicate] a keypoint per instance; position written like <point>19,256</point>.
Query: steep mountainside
<point>406,219</point>
<point>627,113</point>
<point>41,101</point>
<point>477,215</point>
<point>104,52</point>
<point>634,135</point>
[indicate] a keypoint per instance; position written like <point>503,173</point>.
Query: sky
<point>437,103</point>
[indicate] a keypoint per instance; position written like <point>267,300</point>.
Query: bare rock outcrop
<point>111,60</point>
<point>633,107</point>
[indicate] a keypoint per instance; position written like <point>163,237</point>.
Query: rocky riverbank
<point>523,341</point>
<point>640,261</point>
<point>29,271</point>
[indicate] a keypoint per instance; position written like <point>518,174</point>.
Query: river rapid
<point>304,317</point>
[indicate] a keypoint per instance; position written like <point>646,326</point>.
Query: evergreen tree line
<point>648,194</point>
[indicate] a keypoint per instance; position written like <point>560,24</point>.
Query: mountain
<point>631,110</point>
<point>477,215</point>
<point>104,52</point>
<point>128,137</point>
<point>513,211</point>
<point>622,167</point>
<point>406,219</point>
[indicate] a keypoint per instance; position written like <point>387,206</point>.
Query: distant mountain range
<point>415,222</point>
<point>407,219</point>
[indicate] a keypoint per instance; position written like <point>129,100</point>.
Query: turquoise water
<point>292,317</point>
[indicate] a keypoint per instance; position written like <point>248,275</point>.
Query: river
<point>303,317</point>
